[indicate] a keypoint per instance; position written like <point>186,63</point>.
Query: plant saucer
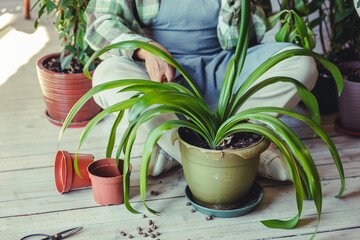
<point>342,129</point>
<point>254,197</point>
<point>71,125</point>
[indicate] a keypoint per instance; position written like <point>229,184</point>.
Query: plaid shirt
<point>112,21</point>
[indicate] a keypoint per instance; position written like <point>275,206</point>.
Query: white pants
<point>301,68</point>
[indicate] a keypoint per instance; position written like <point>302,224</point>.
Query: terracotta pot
<point>65,175</point>
<point>107,181</point>
<point>61,91</point>
<point>220,179</point>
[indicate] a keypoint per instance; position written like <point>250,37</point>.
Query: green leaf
<point>68,12</point>
<point>152,49</point>
<point>92,92</point>
<point>306,96</point>
<point>66,4</point>
<point>195,109</point>
<point>262,130</point>
<point>114,108</point>
<point>111,142</point>
<point>281,35</point>
<point>150,143</point>
<point>234,69</point>
<point>273,20</point>
<point>82,16</point>
<point>81,39</point>
<point>279,57</point>
<point>35,4</point>
<point>50,5</point>
<point>317,128</point>
<point>66,61</point>
<point>300,5</point>
<point>300,25</point>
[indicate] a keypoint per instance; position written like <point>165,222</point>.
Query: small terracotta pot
<point>107,181</point>
<point>61,91</point>
<point>65,175</point>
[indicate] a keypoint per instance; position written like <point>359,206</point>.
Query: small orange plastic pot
<point>65,175</point>
<point>107,181</point>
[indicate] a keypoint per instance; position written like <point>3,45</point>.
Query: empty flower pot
<point>65,176</point>
<point>107,181</point>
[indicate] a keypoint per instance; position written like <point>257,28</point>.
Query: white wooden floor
<point>30,203</point>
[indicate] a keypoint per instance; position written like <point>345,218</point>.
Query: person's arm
<point>228,24</point>
<point>113,21</point>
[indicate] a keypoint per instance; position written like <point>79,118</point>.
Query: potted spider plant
<point>60,74</point>
<point>215,127</point>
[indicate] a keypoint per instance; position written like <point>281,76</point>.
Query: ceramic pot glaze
<point>220,179</point>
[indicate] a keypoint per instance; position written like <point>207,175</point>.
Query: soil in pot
<point>236,141</point>
<point>75,66</point>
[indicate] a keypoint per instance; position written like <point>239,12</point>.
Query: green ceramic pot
<point>220,179</point>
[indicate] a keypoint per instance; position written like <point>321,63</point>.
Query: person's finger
<point>170,74</point>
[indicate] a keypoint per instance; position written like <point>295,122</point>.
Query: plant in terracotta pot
<point>215,129</point>
<point>60,74</point>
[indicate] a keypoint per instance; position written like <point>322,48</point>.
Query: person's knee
<point>116,68</point>
<point>310,73</point>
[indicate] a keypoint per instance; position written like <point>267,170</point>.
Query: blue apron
<point>188,29</point>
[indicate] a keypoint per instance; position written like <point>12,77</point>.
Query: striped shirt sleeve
<point>229,20</point>
<point>113,21</point>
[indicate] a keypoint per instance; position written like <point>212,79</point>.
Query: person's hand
<point>158,69</point>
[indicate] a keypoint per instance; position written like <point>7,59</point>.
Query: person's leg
<point>116,68</point>
<point>302,68</point>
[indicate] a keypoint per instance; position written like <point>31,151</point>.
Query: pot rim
<point>63,160</point>
<point>224,150</point>
<point>111,162</point>
<point>40,65</point>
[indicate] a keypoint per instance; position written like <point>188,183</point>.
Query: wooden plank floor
<point>30,203</point>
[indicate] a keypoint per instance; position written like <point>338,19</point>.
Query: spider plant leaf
<point>268,133</point>
<point>317,128</point>
<point>130,136</point>
<point>194,108</point>
<point>95,90</point>
<point>150,143</point>
<point>306,96</point>
<point>114,108</point>
<point>237,63</point>
<point>111,142</point>
<point>284,55</point>
<point>132,44</point>
<point>300,152</point>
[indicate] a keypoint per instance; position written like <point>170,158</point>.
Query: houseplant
<point>215,127</point>
<point>60,75</point>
